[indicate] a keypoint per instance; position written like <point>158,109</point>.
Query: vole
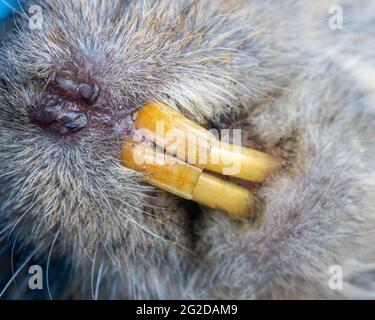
<point>280,71</point>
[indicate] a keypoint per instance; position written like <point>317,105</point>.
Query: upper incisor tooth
<point>240,162</point>
<point>170,129</point>
<point>173,131</point>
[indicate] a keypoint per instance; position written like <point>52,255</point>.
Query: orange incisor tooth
<point>187,181</point>
<point>190,142</point>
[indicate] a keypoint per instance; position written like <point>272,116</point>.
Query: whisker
<point>92,273</point>
<point>48,263</point>
<point>12,254</point>
<point>18,221</point>
<point>20,5</point>
<point>98,280</point>
<point>18,271</point>
<point>20,291</point>
<point>9,172</point>
<point>141,226</point>
<point>83,247</point>
<point>4,230</point>
<point>150,232</point>
<point>7,4</point>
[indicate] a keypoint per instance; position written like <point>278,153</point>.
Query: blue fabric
<point>7,7</point>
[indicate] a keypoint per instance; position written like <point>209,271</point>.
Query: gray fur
<point>273,68</point>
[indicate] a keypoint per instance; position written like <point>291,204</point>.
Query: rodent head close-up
<point>296,89</point>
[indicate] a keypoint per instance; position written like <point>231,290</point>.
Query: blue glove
<point>8,7</point>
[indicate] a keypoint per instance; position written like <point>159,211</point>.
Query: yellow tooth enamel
<point>248,164</point>
<point>187,181</point>
<point>171,129</point>
<point>167,173</point>
<point>217,193</point>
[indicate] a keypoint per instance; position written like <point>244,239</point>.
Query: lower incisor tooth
<point>187,181</point>
<point>218,193</point>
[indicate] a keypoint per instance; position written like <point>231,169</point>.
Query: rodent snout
<point>75,99</point>
<point>71,96</point>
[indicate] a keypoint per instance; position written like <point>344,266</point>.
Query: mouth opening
<point>182,158</point>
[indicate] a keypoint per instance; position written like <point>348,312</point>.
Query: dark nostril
<point>55,118</point>
<point>73,89</point>
<point>85,91</point>
<point>89,93</point>
<point>47,114</point>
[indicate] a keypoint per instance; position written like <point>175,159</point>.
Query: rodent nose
<point>59,120</point>
<point>74,89</point>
